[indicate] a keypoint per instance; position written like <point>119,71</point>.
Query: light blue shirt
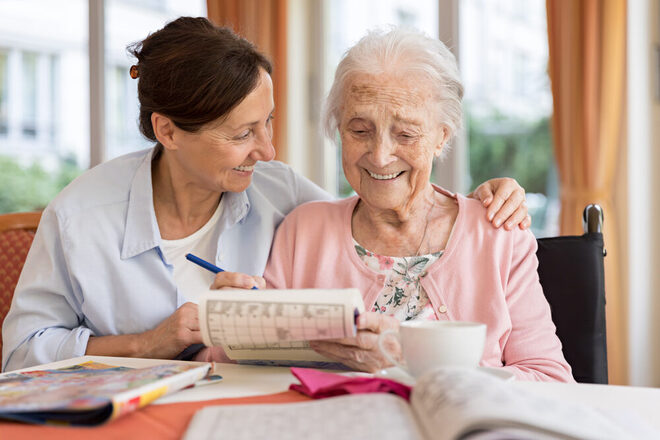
<point>96,267</point>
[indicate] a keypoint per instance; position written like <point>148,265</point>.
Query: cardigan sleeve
<point>533,350</point>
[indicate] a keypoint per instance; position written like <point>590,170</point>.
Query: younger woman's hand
<point>506,203</point>
<point>173,335</point>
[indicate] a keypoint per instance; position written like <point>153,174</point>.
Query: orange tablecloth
<point>168,421</point>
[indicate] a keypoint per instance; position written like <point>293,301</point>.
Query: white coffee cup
<point>430,344</point>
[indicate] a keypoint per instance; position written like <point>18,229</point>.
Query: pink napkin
<point>319,384</point>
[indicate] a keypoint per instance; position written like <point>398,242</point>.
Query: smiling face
<point>390,133</point>
<point>221,156</point>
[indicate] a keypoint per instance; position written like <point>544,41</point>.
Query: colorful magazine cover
<point>90,393</point>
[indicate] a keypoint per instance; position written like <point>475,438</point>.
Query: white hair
<point>404,51</point>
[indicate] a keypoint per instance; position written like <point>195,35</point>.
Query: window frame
<point>96,35</point>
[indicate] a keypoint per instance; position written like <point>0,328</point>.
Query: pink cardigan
<point>485,274</point>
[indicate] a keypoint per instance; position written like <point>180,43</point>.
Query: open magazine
<point>90,393</point>
<point>445,404</point>
<point>274,326</point>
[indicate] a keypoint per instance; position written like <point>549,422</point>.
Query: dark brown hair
<point>194,72</point>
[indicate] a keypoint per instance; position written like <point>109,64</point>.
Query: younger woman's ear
<point>164,130</point>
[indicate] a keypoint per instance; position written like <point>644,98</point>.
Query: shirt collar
<point>141,232</point>
<point>236,208</point>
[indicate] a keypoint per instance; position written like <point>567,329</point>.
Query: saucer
<point>399,375</point>
<point>500,373</point>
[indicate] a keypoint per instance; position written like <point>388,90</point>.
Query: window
<point>29,102</point>
<point>508,102</point>
<point>126,23</point>
<point>4,122</point>
<point>44,90</point>
<point>121,111</point>
<point>43,111</point>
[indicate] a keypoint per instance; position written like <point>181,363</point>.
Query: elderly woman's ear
<point>505,200</point>
<point>446,136</point>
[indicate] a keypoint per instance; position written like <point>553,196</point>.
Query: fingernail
<point>498,222</point>
<point>508,225</point>
<point>490,217</point>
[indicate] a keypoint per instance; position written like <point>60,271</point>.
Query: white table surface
<point>244,381</point>
<point>237,380</point>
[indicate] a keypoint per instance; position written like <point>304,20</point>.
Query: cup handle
<point>381,347</point>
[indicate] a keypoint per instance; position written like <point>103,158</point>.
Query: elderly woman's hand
<point>505,200</point>
<point>237,280</point>
<point>361,352</point>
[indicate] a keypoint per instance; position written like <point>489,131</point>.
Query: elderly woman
<point>416,251</point>
<point>106,274</point>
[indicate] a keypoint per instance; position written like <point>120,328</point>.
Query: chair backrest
<point>572,275</point>
<point>16,235</point>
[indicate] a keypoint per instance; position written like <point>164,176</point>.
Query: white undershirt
<point>191,279</point>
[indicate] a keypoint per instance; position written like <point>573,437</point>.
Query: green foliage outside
<point>504,147</point>
<point>501,146</point>
<point>32,188</point>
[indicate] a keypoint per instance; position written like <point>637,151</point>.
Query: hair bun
<point>134,72</point>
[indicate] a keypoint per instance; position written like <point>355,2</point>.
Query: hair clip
<point>134,72</point>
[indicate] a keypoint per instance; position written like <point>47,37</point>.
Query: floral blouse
<point>402,297</point>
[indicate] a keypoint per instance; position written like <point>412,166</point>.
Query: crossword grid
<point>273,325</point>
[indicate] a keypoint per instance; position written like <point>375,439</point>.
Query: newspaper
<point>274,326</point>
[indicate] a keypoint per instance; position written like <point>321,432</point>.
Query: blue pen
<point>208,266</point>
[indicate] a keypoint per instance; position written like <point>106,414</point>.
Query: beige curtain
<point>587,43</point>
<point>263,22</point>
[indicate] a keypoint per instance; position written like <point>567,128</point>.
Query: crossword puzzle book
<point>274,326</point>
